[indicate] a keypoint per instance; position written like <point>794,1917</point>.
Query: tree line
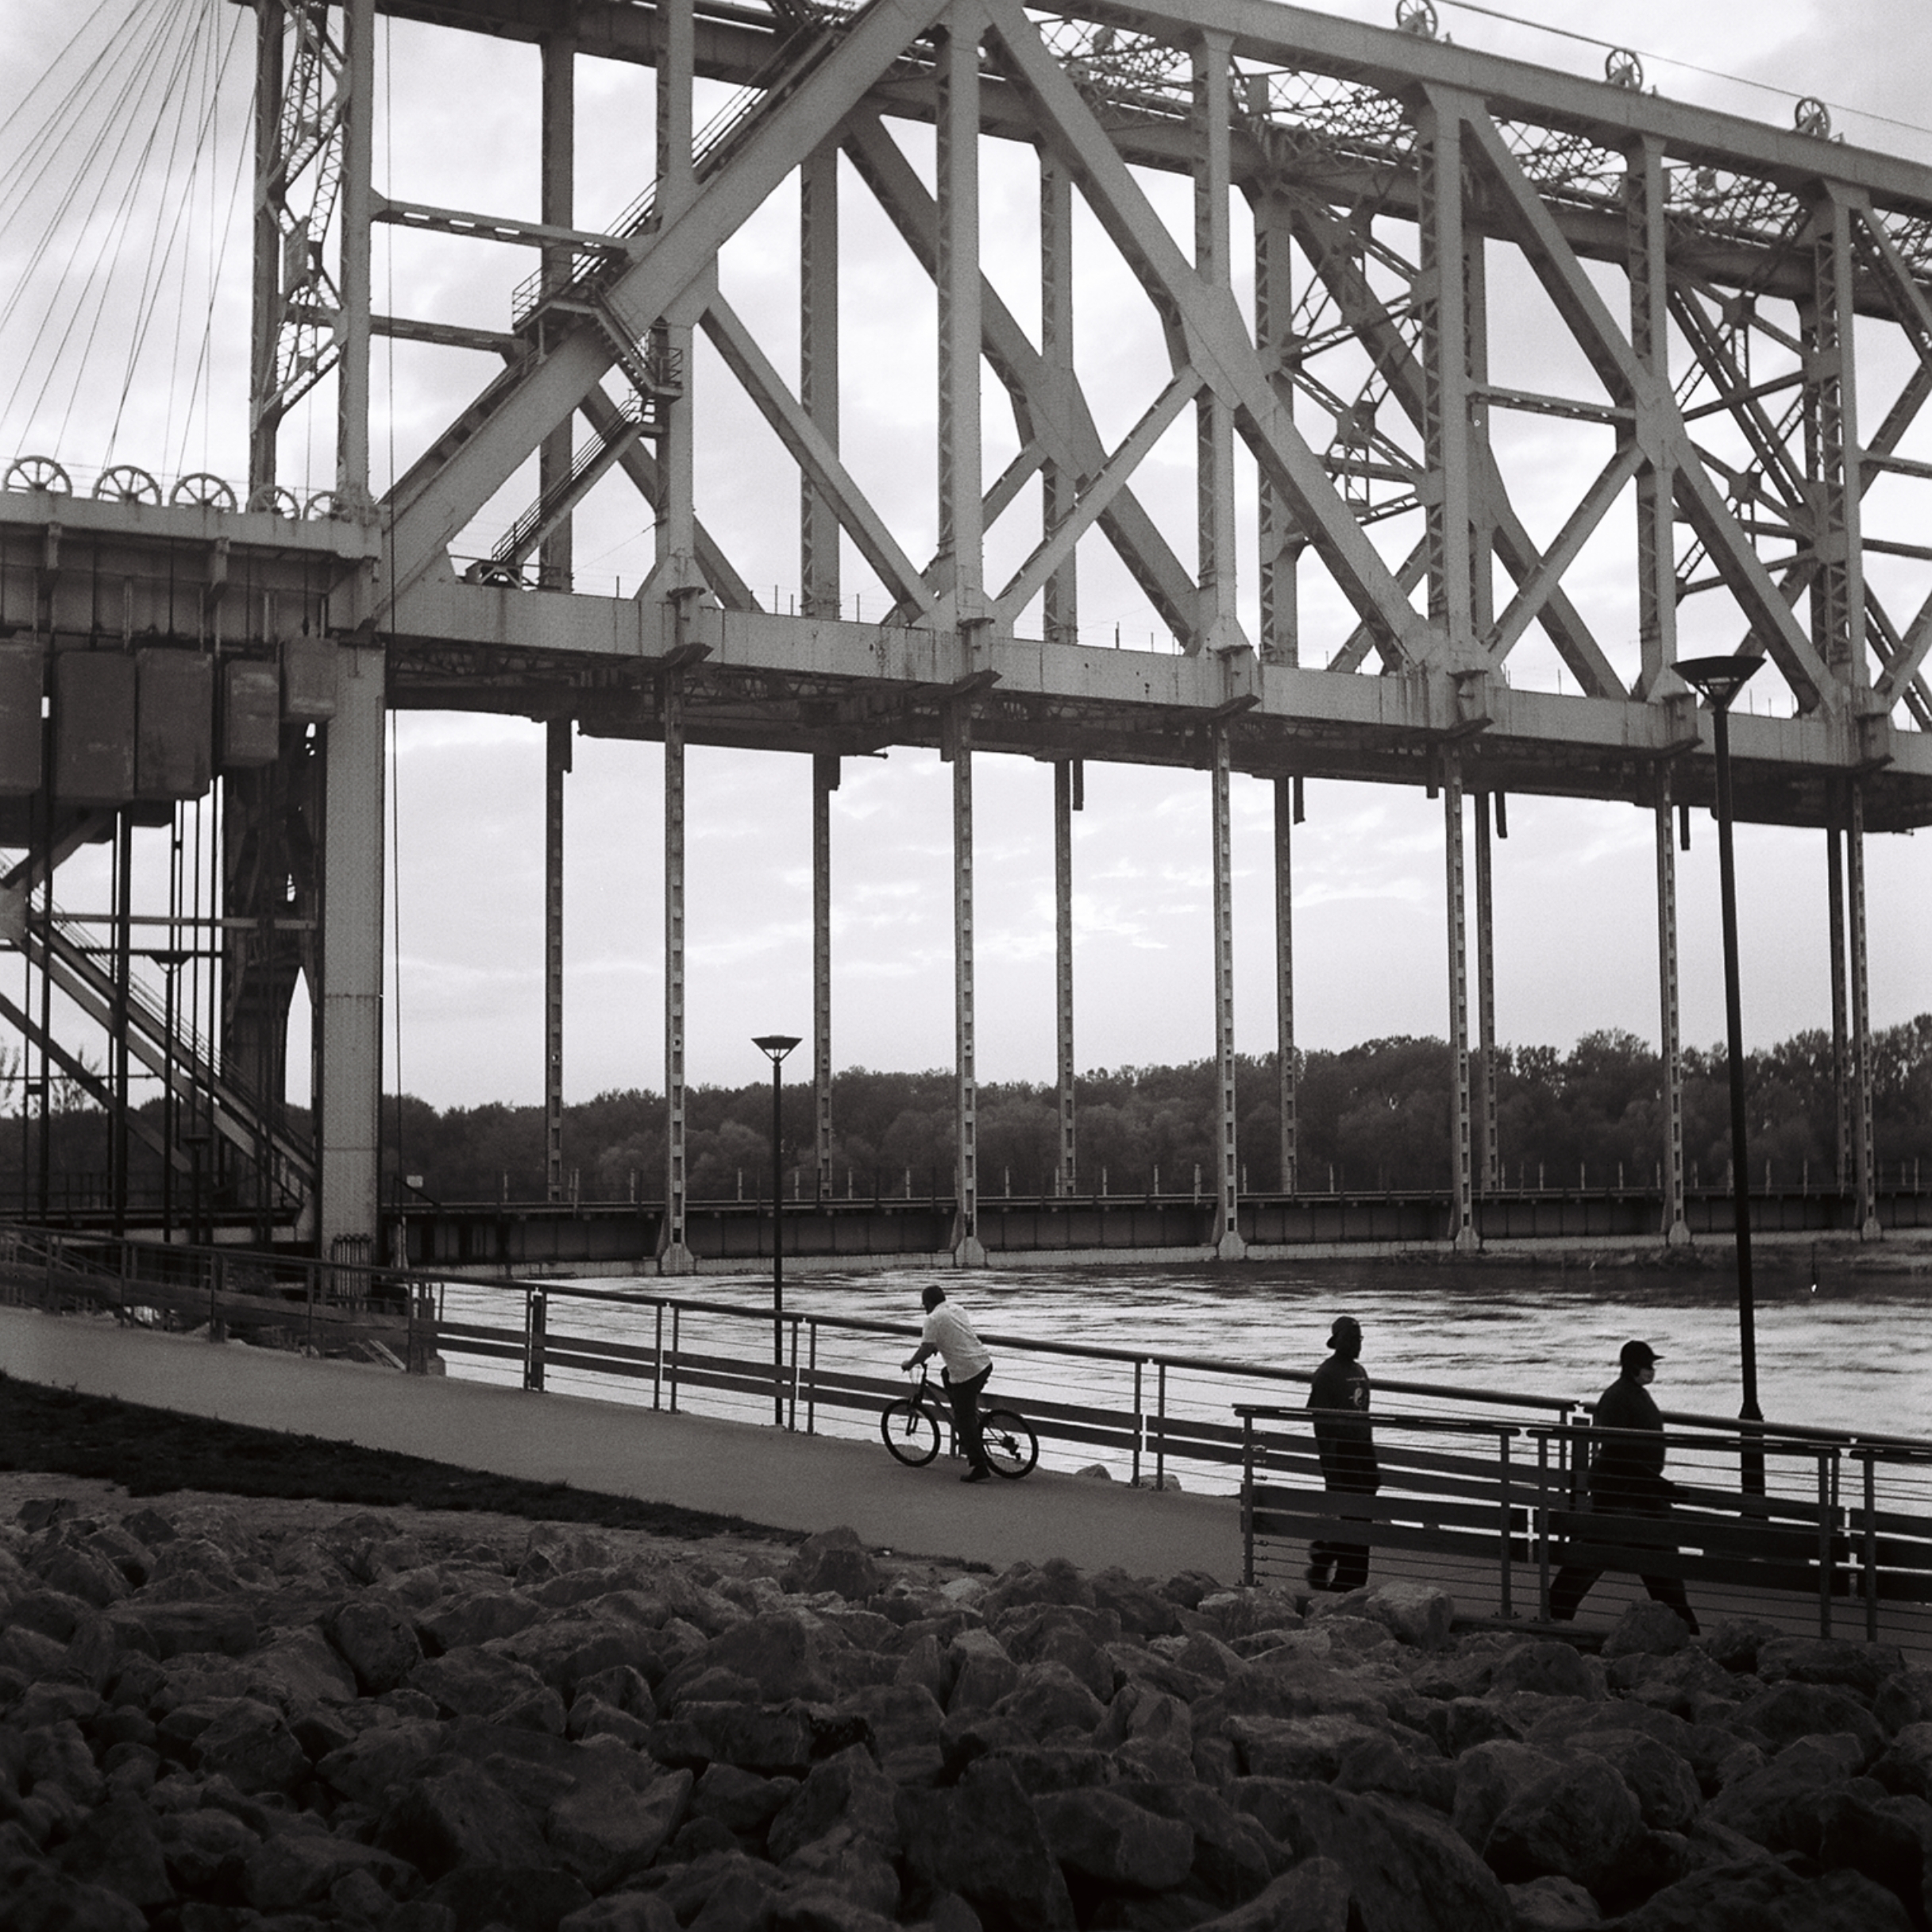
<point>1371,1116</point>
<point>1375,1116</point>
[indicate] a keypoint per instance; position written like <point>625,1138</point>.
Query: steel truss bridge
<point>1751,308</point>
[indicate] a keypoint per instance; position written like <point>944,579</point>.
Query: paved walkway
<point>767,1476</point>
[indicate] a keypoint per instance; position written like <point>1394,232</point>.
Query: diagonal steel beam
<point>1393,355</point>
<point>1051,411</point>
<point>1530,597</point>
<point>1030,578</point>
<point>1208,325</point>
<point>478,453</point>
<point>1618,366</point>
<point>810,448</point>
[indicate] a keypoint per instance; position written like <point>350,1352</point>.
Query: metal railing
<point>1814,1553</point>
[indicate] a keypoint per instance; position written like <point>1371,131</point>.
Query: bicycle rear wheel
<point>910,1434</point>
<point>1011,1446</point>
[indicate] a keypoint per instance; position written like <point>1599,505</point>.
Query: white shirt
<point>948,1330</point>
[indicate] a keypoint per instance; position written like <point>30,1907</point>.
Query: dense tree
<point>1372,1116</point>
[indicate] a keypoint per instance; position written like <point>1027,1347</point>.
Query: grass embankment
<point>154,1452</point>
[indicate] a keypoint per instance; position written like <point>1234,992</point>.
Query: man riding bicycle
<point>949,1335</point>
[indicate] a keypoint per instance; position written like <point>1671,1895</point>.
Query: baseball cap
<point>1345,1325</point>
<point>1638,1355</point>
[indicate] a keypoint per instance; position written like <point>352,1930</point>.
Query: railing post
<point>1543,1528</point>
<point>1247,1500</point>
<point>536,1320</point>
<point>812,1385</point>
<point>657,1362</point>
<point>1869,1580</point>
<point>214,1297</point>
<point>1824,1542</point>
<point>791,1407</point>
<point>676,1312</point>
<point>1507,1606</point>
<point>1138,1420</point>
<point>310,1270</point>
<point>1160,1432</point>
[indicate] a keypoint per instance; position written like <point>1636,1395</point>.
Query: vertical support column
<point>557,199</point>
<point>673,1255</point>
<point>818,373</point>
<point>1656,556</point>
<point>1488,1170</point>
<point>352,446</point>
<point>1217,623</point>
<point>1284,983</point>
<point>677,535</point>
<point>1279,541</point>
<point>1864,1181</point>
<point>1463,1227</point>
<point>1061,606</point>
<point>961,533</point>
<point>1228,1246</point>
<point>556,762</point>
<point>1676,1230</point>
<point>1840,1059</point>
<point>1069,785</point>
<point>349,1063</point>
<point>1442,313</point>
<point>265,408</point>
<point>123,979</point>
<point>1481,515</point>
<point>824,782</point>
<point>1831,407</point>
<point>967,1251</point>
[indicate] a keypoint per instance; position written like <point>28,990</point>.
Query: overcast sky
<point>1576,944</point>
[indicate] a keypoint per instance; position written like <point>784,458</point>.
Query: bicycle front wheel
<point>910,1434</point>
<point>1011,1446</point>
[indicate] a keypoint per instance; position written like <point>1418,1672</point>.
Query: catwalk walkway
<point>766,1475</point>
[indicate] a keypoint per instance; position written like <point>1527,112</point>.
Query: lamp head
<point>775,1045</point>
<point>1718,680</point>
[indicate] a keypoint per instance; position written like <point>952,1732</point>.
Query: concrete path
<point>766,1475</point>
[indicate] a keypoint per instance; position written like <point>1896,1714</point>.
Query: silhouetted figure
<point>1345,1441</point>
<point>1626,1479</point>
<point>949,1336</point>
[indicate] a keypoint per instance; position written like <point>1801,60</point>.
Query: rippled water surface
<point>1845,1348</point>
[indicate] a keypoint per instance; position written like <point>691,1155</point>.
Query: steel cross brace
<point>1610,352</point>
<point>478,453</point>
<point>1052,413</point>
<point>1204,330</point>
<point>1321,238</point>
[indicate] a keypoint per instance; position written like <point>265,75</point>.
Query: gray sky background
<point>1575,942</point>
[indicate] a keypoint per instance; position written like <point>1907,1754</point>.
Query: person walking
<point>965,1366</point>
<point>1626,1479</point>
<point>1345,1441</point>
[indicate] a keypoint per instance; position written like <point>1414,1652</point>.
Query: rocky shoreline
<point>217,1716</point>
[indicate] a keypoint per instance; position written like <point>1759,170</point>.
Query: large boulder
<point>983,1841</point>
<point>1311,1747</point>
<point>251,1746</point>
<point>834,1560</point>
<point>779,1653</point>
<point>472,1682</point>
<point>1906,1768</point>
<point>116,1846</point>
<point>770,1741</point>
<point>1418,1614</point>
<point>606,1829</point>
<point>1582,1821</point>
<point>377,1642</point>
<point>1114,1844</point>
<point>1408,1871</point>
<point>1647,1629</point>
<point>1048,1701</point>
<point>459,1815</point>
<point>1786,1712</point>
<point>1750,1896</point>
<point>1664,1786</point>
<point>1234,1857</point>
<point>1544,1665</point>
<point>848,1789</point>
<point>383,1758</point>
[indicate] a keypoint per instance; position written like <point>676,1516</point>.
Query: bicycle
<point>911,1427</point>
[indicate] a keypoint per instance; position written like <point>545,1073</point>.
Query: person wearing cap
<point>1344,1439</point>
<point>1626,1479</point>
<point>949,1336</point>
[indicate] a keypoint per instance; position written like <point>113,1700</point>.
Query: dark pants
<point>1574,1581</point>
<point>1348,1561</point>
<point>965,1398</point>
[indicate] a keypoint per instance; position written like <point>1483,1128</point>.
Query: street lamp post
<point>775,1046</point>
<point>1720,680</point>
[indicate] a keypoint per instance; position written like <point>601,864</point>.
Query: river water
<point>1839,1346</point>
